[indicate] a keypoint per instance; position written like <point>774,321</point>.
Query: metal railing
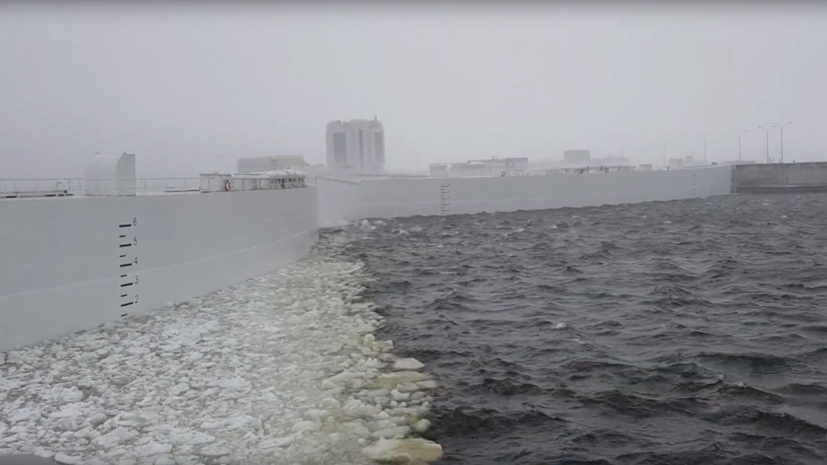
<point>313,179</point>
<point>66,187</point>
<point>22,188</point>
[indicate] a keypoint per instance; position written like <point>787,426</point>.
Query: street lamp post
<point>739,146</point>
<point>739,141</point>
<point>704,136</point>
<point>664,151</point>
<point>782,137</point>
<point>767,130</point>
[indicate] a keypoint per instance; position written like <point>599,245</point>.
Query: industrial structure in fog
<point>578,158</point>
<point>510,166</point>
<point>272,163</point>
<point>356,146</point>
<point>574,161</point>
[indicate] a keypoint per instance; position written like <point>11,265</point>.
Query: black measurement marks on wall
<point>694,186</point>
<point>444,199</point>
<point>128,264</point>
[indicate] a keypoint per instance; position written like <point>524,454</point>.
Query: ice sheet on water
<point>281,369</point>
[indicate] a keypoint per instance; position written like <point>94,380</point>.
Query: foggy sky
<point>191,88</point>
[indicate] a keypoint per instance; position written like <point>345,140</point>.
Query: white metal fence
<point>27,188</point>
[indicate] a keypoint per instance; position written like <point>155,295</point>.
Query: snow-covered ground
<point>281,369</point>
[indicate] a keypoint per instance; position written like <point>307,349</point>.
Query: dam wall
<point>73,263</point>
<point>780,177</point>
<point>400,197</point>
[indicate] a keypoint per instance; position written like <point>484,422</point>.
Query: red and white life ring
<point>227,185</point>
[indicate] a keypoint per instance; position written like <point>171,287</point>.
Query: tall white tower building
<point>356,146</point>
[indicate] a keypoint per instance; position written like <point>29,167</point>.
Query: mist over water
<point>687,332</point>
<point>189,87</point>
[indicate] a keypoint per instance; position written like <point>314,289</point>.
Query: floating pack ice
<point>403,451</point>
<point>283,368</point>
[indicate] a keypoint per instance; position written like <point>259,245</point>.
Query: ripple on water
<point>687,332</point>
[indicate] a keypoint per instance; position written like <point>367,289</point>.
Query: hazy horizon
<point>190,88</point>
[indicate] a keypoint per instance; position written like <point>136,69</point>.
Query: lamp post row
<point>740,145</point>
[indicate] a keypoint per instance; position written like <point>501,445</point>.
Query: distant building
<point>738,162</point>
<point>510,166</point>
<point>441,170</point>
<point>356,146</point>
<point>578,156</point>
<point>275,162</point>
<point>111,175</point>
<point>686,162</point>
<point>459,170</point>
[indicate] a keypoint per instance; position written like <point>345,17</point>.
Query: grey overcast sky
<point>190,88</point>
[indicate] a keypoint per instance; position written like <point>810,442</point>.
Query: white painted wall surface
<point>386,198</point>
<point>61,259</point>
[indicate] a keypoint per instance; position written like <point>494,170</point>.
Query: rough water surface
<point>687,332</point>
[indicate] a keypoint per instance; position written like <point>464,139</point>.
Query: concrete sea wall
<point>72,263</point>
<point>387,198</point>
<point>68,264</point>
<point>780,177</point>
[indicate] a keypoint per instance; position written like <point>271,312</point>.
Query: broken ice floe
<point>280,369</point>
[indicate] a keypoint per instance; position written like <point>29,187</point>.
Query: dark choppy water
<point>690,332</point>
